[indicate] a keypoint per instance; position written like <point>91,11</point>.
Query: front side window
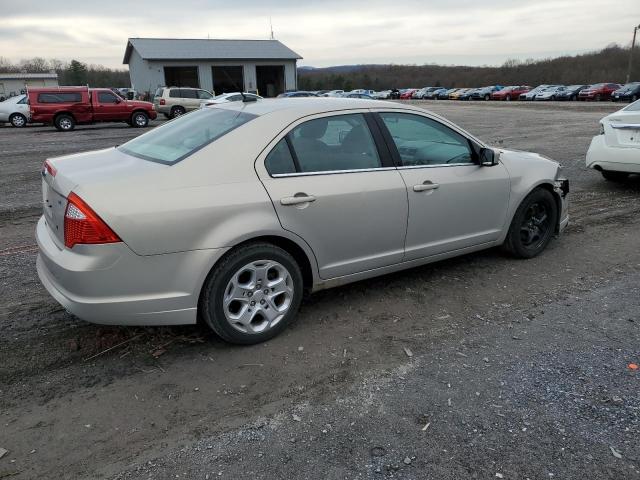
<point>341,142</point>
<point>204,95</point>
<point>422,141</point>
<point>185,135</point>
<point>104,97</point>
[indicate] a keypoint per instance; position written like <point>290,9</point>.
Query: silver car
<point>229,214</point>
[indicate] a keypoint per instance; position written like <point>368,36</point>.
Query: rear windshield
<point>59,97</point>
<point>176,140</point>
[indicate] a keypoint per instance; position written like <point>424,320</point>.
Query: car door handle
<point>297,200</point>
<point>423,187</point>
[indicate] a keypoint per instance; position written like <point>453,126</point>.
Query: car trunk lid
<point>66,174</point>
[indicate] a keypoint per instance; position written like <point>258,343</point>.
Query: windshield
<point>185,135</point>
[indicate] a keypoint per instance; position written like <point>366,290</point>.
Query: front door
<point>335,188</point>
<point>109,106</point>
<point>454,202</point>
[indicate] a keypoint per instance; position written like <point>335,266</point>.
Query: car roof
<point>311,105</point>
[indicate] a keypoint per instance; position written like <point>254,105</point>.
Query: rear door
<point>454,203</point>
<point>333,184</point>
<point>190,98</point>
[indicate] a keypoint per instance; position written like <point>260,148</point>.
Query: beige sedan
<point>230,213</point>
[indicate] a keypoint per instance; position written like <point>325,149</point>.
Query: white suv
<point>175,101</point>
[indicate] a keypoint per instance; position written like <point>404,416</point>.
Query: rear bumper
<point>109,284</point>
<point>601,156</point>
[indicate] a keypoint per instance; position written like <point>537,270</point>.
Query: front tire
<point>614,176</point>
<point>139,120</point>
<point>18,120</point>
<point>65,122</point>
<point>253,294</point>
<point>533,225</point>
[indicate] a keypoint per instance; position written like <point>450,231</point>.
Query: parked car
<point>466,95</point>
<point>531,94</point>
<point>570,92</point>
<point>599,91</point>
<point>628,92</point>
<point>615,153</point>
<point>394,94</point>
<point>407,94</point>
<point>444,95</point>
<point>175,101</point>
<point>230,97</point>
<point>363,91</point>
<point>382,95</point>
<point>297,94</point>
<point>455,95</point>
<point>230,214</point>
<point>423,92</point>
<point>550,93</point>
<point>333,93</point>
<point>433,94</point>
<point>484,93</point>
<point>66,107</point>
<point>15,110</point>
<point>359,95</point>
<point>512,92</point>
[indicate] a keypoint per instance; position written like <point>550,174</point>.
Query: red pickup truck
<point>65,107</point>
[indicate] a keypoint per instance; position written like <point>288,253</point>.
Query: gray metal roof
<point>26,76</point>
<point>205,49</point>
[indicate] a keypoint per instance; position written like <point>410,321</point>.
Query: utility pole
<point>633,44</point>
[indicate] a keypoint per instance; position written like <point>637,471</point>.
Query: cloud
<point>324,33</point>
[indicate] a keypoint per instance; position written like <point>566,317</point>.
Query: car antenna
<point>245,99</point>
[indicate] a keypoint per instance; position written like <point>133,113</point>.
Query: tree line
<point>70,73</point>
<point>607,65</point>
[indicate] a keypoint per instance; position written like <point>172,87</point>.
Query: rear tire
<point>177,111</point>
<point>533,225</point>
<point>18,120</point>
<point>254,317</point>
<point>64,122</point>
<point>614,176</point>
<point>487,98</point>
<point>139,120</point>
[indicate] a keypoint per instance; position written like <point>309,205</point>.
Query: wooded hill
<point>607,65</point>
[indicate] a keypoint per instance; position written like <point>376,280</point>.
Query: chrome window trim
<point>439,165</point>
<point>331,172</point>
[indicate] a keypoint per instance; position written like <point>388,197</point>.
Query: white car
<point>616,151</point>
<point>15,110</point>
<point>230,97</point>
<point>382,95</point>
<point>333,93</point>
<point>550,93</point>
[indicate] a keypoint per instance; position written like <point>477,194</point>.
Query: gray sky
<point>330,32</point>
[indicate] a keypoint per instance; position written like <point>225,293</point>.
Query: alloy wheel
<point>258,296</point>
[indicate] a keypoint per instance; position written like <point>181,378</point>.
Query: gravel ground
<point>520,368</point>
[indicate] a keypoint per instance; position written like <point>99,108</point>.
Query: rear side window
<point>279,161</point>
<point>175,93</point>
<point>176,140</point>
<point>188,93</point>
<point>341,142</point>
<point>60,97</point>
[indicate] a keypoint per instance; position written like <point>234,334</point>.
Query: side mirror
<point>487,157</point>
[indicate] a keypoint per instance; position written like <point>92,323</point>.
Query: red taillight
<point>83,225</point>
<point>162,101</point>
<point>47,168</point>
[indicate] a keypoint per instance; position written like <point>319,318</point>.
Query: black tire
<point>18,120</point>
<point>167,116</point>
<point>573,98</point>
<point>65,122</point>
<point>508,98</point>
<point>177,111</point>
<point>598,97</point>
<point>139,120</point>
<point>614,176</point>
<point>634,98</point>
<point>533,225</point>
<point>211,307</point>
<point>487,98</point>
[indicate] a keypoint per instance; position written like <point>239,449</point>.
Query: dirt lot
<point>477,367</point>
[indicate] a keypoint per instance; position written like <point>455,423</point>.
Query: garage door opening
<point>228,79</point>
<point>181,77</point>
<point>270,79</point>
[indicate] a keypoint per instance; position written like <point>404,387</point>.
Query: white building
<point>16,83</point>
<point>264,66</point>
